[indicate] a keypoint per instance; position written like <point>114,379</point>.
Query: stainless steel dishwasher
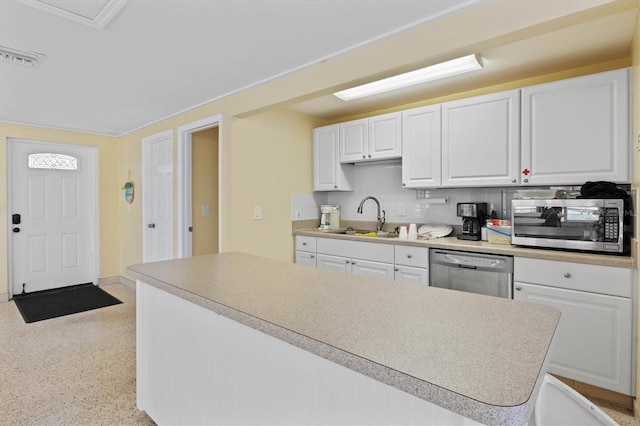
<point>472,272</point>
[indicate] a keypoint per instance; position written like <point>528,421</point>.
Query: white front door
<point>53,215</point>
<point>157,182</point>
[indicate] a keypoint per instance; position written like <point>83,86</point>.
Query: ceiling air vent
<point>21,57</point>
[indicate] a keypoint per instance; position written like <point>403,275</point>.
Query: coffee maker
<point>473,217</point>
<point>325,216</point>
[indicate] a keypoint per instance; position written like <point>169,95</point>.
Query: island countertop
<point>480,356</point>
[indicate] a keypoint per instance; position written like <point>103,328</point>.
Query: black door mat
<point>46,304</point>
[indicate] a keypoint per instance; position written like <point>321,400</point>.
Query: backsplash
<point>384,181</point>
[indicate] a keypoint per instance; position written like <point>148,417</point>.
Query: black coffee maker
<point>473,217</point>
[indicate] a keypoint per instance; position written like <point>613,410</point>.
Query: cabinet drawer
<point>412,256</point>
<point>574,276</point>
<point>305,243</point>
<point>377,252</point>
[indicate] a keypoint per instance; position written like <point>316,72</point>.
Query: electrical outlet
<point>402,210</point>
<point>205,210</point>
<point>298,213</point>
<point>257,212</point>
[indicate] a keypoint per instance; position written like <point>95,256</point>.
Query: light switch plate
<point>257,212</point>
<point>205,210</point>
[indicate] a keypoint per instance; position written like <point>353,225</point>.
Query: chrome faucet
<point>381,218</point>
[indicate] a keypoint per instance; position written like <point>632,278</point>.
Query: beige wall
<point>271,154</point>
<point>110,181</point>
<point>205,191</point>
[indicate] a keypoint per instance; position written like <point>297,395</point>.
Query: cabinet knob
<point>518,288</point>
<point>346,261</point>
<point>369,155</point>
<point>353,263</point>
<point>513,181</point>
<point>313,256</point>
<point>304,244</point>
<point>567,275</point>
<point>364,156</point>
<point>396,269</point>
<point>409,256</point>
<point>525,180</point>
<point>335,186</point>
<point>404,184</point>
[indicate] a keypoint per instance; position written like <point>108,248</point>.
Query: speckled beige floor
<point>78,369</point>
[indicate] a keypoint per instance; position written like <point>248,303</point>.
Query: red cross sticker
<point>526,172</point>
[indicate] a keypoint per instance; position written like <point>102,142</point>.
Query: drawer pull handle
<point>518,288</point>
<point>409,256</point>
<point>567,275</point>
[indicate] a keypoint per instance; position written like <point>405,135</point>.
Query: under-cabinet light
<point>433,72</point>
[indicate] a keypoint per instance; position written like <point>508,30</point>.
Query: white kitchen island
<point>239,339</point>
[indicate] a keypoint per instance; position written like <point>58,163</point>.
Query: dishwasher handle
<point>478,261</point>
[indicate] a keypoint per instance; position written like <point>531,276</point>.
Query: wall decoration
<point>128,189</point>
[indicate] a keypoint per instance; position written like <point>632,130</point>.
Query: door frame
<point>185,165</point>
<point>146,207</point>
<point>95,229</point>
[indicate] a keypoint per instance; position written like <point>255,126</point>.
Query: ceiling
<point>111,71</point>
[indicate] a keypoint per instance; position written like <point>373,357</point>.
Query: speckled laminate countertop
<point>452,243</point>
<point>479,356</point>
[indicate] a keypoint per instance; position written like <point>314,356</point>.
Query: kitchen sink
<point>363,232</point>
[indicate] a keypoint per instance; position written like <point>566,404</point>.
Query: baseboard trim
<point>4,297</point>
<point>117,280</point>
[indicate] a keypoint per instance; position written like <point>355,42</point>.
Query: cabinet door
<point>372,269</point>
<point>328,173</point>
<point>481,140</point>
<point>576,130</point>
<point>408,274</point>
<point>385,136</point>
<point>333,263</point>
<point>354,139</point>
<point>305,258</point>
<point>421,147</point>
<point>593,340</point>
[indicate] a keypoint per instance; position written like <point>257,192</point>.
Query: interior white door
<point>53,224</point>
<point>158,200</point>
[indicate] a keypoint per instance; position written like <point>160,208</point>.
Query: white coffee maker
<point>325,216</point>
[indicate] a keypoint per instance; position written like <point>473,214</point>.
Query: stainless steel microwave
<point>595,225</point>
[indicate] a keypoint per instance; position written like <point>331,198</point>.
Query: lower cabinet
<point>306,258</point>
<point>594,341</point>
<point>356,266</point>
<point>409,274</point>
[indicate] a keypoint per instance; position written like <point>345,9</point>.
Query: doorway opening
<point>199,217</point>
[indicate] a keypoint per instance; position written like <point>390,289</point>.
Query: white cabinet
<point>481,140</point>
<point>411,264</point>
<point>306,250</point>
<point>577,130</point>
<point>328,173</point>
<point>594,341</point>
<point>369,139</point>
<point>356,257</point>
<point>421,147</point>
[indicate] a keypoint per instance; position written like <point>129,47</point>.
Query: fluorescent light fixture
<point>433,72</point>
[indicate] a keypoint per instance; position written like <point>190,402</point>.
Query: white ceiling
<point>159,57</point>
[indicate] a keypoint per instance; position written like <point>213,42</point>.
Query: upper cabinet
<point>566,132</point>
<point>577,130</point>
<point>328,173</point>
<point>481,140</point>
<point>370,139</point>
<point>421,147</point>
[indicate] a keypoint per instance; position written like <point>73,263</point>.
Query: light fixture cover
<point>433,72</point>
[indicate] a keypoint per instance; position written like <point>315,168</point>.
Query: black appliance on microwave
<point>595,225</point>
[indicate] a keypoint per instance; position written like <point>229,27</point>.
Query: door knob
<point>151,225</point>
